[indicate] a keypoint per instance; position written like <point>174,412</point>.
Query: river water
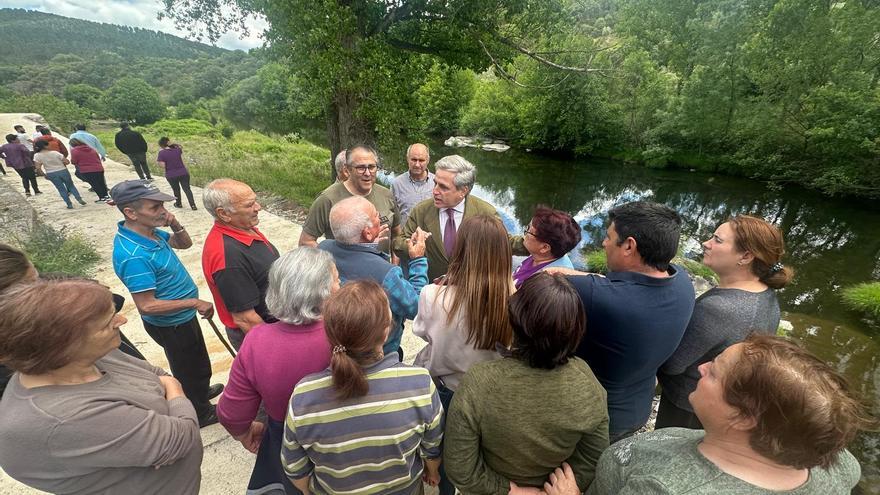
<point>831,243</point>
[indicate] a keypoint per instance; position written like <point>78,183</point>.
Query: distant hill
<point>27,35</point>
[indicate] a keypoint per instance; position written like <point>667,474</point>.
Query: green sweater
<point>667,461</point>
<point>509,422</point>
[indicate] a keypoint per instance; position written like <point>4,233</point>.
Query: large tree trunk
<point>344,129</point>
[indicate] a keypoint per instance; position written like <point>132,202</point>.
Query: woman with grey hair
<point>275,356</point>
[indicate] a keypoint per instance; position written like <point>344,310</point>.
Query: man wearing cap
<point>162,289</point>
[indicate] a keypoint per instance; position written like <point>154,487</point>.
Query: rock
<point>461,142</point>
<point>495,147</point>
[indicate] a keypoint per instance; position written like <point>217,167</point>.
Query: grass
<point>296,171</point>
<point>597,263</point>
<point>863,297</point>
<point>55,251</point>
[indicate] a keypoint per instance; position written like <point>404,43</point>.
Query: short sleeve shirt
<point>236,266</point>
<point>52,161</point>
<point>145,264</point>
<point>318,222</point>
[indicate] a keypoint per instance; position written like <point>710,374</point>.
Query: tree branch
<point>549,63</point>
<point>511,79</point>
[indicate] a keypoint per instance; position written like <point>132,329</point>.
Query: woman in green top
<point>515,420</point>
<point>776,418</point>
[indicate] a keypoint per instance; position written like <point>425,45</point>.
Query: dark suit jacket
<point>427,216</point>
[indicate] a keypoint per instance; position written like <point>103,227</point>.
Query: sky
<point>137,13</point>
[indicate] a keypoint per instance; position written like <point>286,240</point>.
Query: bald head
<point>232,202</point>
<point>354,220</point>
<point>417,159</point>
<point>339,165</point>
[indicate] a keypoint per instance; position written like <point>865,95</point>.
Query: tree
<point>134,100</point>
<point>85,96</point>
<point>359,62</point>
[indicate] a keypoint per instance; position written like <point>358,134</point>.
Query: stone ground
<point>227,465</point>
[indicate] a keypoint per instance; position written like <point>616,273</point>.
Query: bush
<point>596,261</point>
<point>178,128</point>
<point>134,100</point>
<point>61,115</point>
<point>88,97</point>
<point>53,250</point>
<point>863,297</point>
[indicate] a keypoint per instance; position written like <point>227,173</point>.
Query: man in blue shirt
<point>90,139</point>
<point>637,313</point>
<point>163,291</point>
<point>356,228</point>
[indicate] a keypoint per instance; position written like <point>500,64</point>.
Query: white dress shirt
<point>458,217</point>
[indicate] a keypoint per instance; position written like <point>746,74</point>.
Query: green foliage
<point>88,97</point>
<point>596,260</point>
<point>271,101</point>
<point>491,110</point>
<point>442,98</point>
<point>863,297</point>
<point>60,114</point>
<point>697,268</point>
<point>180,128</point>
<point>134,100</point>
<point>59,34</point>
<point>53,250</point>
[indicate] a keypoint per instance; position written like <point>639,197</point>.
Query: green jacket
<point>427,216</point>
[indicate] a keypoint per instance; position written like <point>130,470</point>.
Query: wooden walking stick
<point>220,336</point>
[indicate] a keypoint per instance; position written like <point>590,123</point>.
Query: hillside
<point>38,34</point>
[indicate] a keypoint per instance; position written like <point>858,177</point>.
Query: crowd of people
<point>533,380</point>
<point>44,155</point>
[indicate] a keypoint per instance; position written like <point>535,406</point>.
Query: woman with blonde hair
<point>464,319</point>
<point>368,423</point>
<point>746,253</point>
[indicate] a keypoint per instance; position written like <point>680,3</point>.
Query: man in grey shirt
<point>414,185</point>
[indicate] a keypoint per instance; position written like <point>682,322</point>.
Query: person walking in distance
<point>171,160</point>
<point>133,144</point>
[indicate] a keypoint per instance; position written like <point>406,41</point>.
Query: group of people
<point>43,154</point>
<point>534,380</point>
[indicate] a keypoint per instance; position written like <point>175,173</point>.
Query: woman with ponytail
<point>746,253</point>
<point>366,408</point>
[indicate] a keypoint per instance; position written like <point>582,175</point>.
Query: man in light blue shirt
<point>162,289</point>
<point>89,139</point>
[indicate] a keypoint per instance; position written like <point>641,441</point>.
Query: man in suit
<point>443,214</point>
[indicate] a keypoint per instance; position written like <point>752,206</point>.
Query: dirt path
<point>226,467</point>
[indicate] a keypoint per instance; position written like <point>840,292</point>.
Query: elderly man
<point>414,185</point>
<point>162,289</point>
<point>237,257</point>
<point>362,164</point>
<point>356,227</point>
<point>638,312</point>
<point>442,215</point>
<point>90,139</point>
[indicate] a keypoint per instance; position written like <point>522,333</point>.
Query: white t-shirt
<point>26,140</point>
<point>52,161</point>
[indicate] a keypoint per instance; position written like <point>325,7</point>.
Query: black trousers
<point>176,184</point>
<point>669,415</point>
<point>184,347</point>
<point>139,161</point>
<point>28,179</point>
<point>96,180</point>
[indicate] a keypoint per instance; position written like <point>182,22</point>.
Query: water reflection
<point>830,243</point>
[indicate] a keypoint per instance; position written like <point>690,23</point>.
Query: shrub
<point>178,128</point>
<point>863,297</point>
<point>596,261</point>
<point>53,250</point>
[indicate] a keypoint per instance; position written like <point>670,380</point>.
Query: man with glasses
<point>363,167</point>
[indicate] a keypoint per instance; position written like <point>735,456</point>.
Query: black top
<point>129,141</point>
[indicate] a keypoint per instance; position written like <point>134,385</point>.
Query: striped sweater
<point>364,445</point>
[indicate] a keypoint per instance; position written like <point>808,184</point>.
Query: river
<point>831,243</point>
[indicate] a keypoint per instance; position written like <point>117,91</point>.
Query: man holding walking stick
<point>162,289</point>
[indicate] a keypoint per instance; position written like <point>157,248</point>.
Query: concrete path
<point>227,465</point>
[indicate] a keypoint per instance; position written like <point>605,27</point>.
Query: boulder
<point>499,147</point>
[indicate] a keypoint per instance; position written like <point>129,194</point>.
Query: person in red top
<point>55,144</point>
<point>89,167</point>
<point>236,258</point>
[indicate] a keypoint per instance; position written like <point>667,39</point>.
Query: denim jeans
<point>64,183</point>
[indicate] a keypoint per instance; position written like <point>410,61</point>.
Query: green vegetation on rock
<point>598,263</point>
<point>863,297</point>
<point>56,251</point>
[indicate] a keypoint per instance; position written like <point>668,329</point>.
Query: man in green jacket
<point>442,215</point>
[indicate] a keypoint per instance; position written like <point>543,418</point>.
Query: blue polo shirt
<point>144,264</point>
<point>634,323</point>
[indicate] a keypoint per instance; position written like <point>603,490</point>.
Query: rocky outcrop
<point>17,216</point>
<point>476,142</point>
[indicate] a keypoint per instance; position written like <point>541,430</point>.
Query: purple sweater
<point>273,358</point>
<point>173,159</point>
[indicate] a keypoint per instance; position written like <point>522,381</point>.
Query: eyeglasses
<point>362,169</point>
<point>526,232</point>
